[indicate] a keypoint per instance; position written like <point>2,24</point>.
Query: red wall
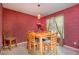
<point>18,23</point>
<point>0,24</point>
<point>71,25</point>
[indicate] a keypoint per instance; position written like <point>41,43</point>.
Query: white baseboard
<point>21,43</point>
<point>75,49</point>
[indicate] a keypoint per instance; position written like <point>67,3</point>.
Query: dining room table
<point>40,36</point>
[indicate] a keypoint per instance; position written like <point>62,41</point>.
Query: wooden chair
<point>28,41</point>
<point>31,42</point>
<point>9,39</point>
<point>53,43</point>
<point>52,46</point>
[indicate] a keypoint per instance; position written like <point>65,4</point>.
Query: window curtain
<point>50,25</point>
<point>56,24</point>
<point>47,24</point>
<point>59,20</point>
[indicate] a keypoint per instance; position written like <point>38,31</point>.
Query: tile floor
<point>21,50</point>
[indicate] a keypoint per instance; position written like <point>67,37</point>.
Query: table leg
<point>41,48</point>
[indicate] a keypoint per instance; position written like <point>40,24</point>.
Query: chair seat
<point>46,40</point>
<point>12,38</point>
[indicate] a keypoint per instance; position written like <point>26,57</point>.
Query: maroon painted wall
<point>0,24</point>
<point>18,23</point>
<point>71,25</point>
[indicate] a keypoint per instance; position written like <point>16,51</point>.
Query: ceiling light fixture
<point>38,16</point>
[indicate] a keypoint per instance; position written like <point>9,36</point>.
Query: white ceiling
<point>32,8</point>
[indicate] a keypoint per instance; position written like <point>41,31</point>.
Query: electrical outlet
<point>75,43</point>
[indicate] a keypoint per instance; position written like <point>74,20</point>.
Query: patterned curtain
<point>56,24</point>
<point>50,25</point>
<point>59,20</point>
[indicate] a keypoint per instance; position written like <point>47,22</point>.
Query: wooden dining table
<point>41,35</point>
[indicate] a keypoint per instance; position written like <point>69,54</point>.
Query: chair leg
<point>33,49</point>
<point>29,48</point>
<point>49,49</point>
<point>4,46</point>
<point>1,48</point>
<point>43,49</point>
<point>10,42</point>
<point>16,43</point>
<point>56,50</point>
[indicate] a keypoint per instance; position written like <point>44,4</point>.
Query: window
<point>60,24</point>
<point>56,24</point>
